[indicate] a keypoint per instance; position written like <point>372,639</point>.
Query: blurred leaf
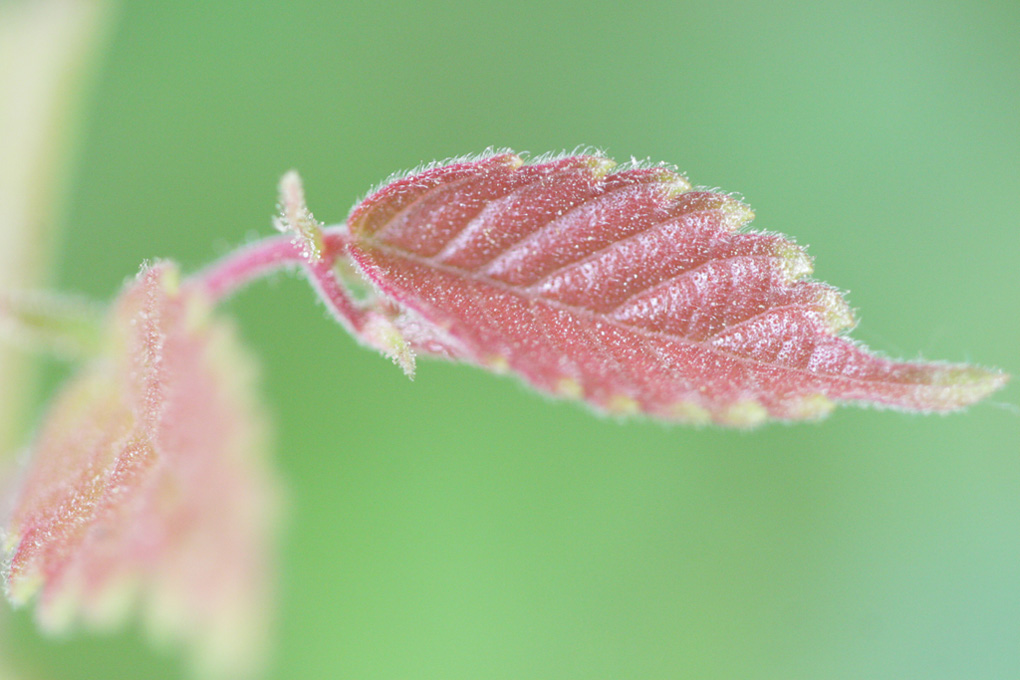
<point>147,487</point>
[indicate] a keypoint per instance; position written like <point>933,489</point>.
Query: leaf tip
<point>954,386</point>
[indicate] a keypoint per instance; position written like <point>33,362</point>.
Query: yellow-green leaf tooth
<point>570,388</point>
<point>747,414</point>
<point>622,404</point>
<point>794,261</point>
<point>836,312</point>
<point>689,412</point>
<point>600,165</point>
<point>810,407</point>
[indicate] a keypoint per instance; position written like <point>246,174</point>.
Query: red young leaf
<point>626,288</point>
<point>148,488</point>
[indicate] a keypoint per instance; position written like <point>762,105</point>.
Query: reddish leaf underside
<point>148,489</point>
<point>628,289</point>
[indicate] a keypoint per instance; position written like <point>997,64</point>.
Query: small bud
<point>296,218</point>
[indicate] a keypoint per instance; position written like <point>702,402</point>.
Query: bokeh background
<point>461,526</point>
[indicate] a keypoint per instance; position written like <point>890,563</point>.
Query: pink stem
<point>225,277</point>
<point>321,276</point>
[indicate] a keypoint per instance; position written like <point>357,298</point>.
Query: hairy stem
<point>226,276</point>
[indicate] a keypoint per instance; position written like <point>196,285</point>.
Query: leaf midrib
<point>595,316</point>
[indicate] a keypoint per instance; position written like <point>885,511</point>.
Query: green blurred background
<point>461,526</point>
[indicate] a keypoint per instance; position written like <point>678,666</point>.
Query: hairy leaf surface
<point>147,489</point>
<point>626,288</point>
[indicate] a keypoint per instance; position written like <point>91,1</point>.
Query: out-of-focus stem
<point>45,50</point>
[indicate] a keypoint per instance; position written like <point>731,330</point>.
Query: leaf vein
<point>643,333</point>
<point>631,237</point>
